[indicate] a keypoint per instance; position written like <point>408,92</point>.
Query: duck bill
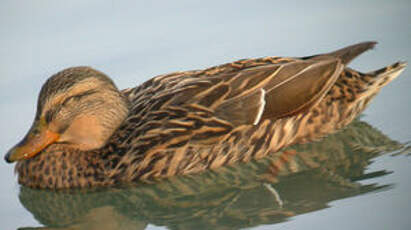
<point>38,138</point>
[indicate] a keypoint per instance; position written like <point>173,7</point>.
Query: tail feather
<point>388,70</point>
<point>383,76</point>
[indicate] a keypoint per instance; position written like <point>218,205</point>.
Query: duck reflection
<point>300,179</point>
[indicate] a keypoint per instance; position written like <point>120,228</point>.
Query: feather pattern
<point>187,122</point>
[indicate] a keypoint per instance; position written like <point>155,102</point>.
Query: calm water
<point>355,179</point>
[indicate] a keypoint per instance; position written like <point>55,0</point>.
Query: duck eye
<point>79,96</point>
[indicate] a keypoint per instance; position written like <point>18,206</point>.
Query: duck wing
<point>268,92</point>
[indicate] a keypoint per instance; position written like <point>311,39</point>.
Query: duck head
<point>78,107</point>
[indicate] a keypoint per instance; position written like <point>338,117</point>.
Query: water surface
<point>298,180</point>
<point>354,182</point>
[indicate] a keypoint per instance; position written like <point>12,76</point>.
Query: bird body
<point>88,133</point>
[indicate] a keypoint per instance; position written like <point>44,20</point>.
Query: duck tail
<point>383,76</point>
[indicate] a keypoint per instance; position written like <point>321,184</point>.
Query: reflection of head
<point>234,196</point>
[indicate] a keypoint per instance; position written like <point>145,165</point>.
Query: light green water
<point>302,179</point>
<point>348,181</point>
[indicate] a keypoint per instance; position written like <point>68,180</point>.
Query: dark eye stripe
<point>79,96</point>
<point>50,114</point>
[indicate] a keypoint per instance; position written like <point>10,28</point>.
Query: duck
<point>88,133</point>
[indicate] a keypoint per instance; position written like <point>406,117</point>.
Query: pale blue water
<point>132,41</point>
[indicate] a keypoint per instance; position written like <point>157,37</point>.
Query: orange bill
<point>38,138</point>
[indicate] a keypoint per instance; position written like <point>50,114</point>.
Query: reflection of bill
<point>300,179</point>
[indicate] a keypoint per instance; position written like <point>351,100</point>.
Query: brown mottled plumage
<point>240,196</point>
<point>87,133</point>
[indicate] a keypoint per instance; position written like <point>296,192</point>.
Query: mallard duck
<point>88,133</point>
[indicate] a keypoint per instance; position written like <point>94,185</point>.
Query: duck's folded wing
<point>270,92</point>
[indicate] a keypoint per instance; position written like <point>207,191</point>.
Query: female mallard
<point>88,133</point>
